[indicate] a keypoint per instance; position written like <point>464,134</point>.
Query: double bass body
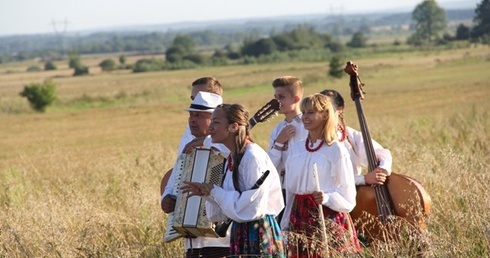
<point>409,200</point>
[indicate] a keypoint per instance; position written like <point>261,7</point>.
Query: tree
<point>336,70</point>
<point>40,95</point>
<point>49,66</point>
<point>186,42</point>
<point>264,46</point>
<point>175,54</point>
<point>81,70</point>
<point>481,20</point>
<point>107,65</point>
<point>122,59</point>
<point>75,63</point>
<point>430,21</point>
<point>462,32</point>
<point>74,59</point>
<point>183,45</point>
<point>358,40</point>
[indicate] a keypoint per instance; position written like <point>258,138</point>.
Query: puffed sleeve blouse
<point>335,176</point>
<point>249,205</point>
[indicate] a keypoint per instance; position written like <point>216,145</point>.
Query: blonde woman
<point>337,195</point>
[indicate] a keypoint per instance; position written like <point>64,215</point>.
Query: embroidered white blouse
<point>335,177</point>
<point>225,202</point>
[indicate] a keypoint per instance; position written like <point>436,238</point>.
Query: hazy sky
<point>38,16</point>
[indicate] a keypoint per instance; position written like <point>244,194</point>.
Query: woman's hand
<point>196,189</point>
<point>318,196</point>
<point>376,177</point>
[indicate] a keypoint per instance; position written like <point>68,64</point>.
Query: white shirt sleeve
<point>360,180</point>
<point>213,210</point>
<point>274,154</point>
<point>169,188</point>
<point>240,207</point>
<point>186,138</point>
<point>250,204</point>
<point>343,196</point>
<point>382,154</point>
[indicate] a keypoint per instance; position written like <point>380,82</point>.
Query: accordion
<point>189,216</point>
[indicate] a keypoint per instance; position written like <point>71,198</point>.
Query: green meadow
<point>83,179</point>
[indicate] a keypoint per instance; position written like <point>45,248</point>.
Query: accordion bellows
<point>201,165</point>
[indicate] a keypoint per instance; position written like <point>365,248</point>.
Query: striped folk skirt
<point>305,238</point>
<point>259,238</point>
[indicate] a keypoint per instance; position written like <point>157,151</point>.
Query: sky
<point>19,17</point>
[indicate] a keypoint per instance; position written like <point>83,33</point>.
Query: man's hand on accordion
<point>197,142</point>
<point>196,189</point>
<point>168,203</point>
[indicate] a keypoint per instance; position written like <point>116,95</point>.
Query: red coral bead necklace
<point>307,143</point>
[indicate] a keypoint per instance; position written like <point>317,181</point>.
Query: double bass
<point>382,210</point>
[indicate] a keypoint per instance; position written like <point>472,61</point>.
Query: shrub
<point>218,61</point>
<point>147,65</point>
<point>195,58</point>
<point>74,60</point>
<point>49,66</point>
<point>40,95</point>
<point>122,59</point>
<point>81,70</point>
<point>107,65</point>
<point>33,68</point>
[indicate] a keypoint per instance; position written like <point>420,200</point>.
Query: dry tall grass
<point>82,180</point>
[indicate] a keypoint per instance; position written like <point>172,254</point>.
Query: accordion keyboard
<point>171,234</point>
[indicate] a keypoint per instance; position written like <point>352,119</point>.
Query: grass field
<point>82,179</point>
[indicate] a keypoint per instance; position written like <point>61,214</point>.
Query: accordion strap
<point>236,172</point>
<point>235,181</point>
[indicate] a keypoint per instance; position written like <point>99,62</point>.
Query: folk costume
<point>301,216</point>
<point>202,246</point>
<point>279,152</point>
<point>254,230</point>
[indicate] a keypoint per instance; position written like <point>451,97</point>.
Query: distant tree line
<point>302,41</point>
<point>56,47</point>
<point>430,21</point>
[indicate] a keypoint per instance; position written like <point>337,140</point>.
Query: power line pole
<point>60,33</point>
<point>338,12</point>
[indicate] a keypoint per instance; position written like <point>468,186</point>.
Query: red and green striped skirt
<point>305,238</point>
